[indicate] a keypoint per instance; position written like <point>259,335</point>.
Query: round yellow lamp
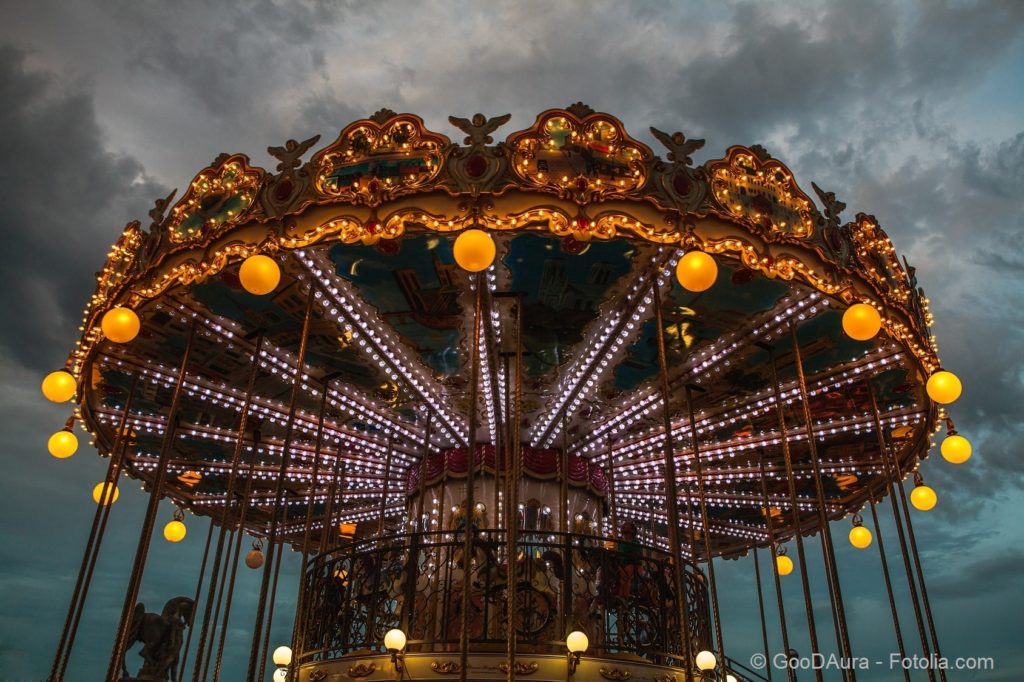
<point>280,675</point>
<point>923,498</point>
<point>860,537</point>
<point>784,564</point>
<point>956,449</point>
<point>62,444</point>
<point>120,324</point>
<point>394,640</point>
<point>861,322</point>
<point>577,642</point>
<point>474,250</point>
<point>59,386</point>
<point>944,387</point>
<point>705,660</point>
<point>105,493</point>
<point>696,271</point>
<point>259,274</point>
<point>174,531</point>
<point>283,655</point>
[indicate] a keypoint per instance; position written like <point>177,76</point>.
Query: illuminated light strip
<point>337,298</point>
<point>715,355</point>
<point>618,332</point>
<point>284,362</point>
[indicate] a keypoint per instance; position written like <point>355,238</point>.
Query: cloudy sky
<point>912,111</point>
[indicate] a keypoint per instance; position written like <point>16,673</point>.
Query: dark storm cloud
<point>64,195</point>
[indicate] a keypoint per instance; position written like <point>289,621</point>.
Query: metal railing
<point>620,594</point>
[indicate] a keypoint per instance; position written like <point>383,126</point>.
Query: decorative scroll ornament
<point>318,675</point>
<point>361,669</point>
<point>285,191</point>
<point>583,159</point>
<point>521,668</point>
<point>477,167</point>
<point>761,191</point>
<point>834,236</point>
<point>665,678</point>
<point>615,674</point>
<point>445,667</point>
<point>380,158</point>
<point>218,198</point>
<point>678,181</point>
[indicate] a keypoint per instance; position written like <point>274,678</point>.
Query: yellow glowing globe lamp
<point>706,660</point>
<point>474,250</point>
<point>923,498</point>
<point>120,324</point>
<point>860,537</point>
<point>394,640</point>
<point>784,564</point>
<point>956,449</point>
<point>696,271</point>
<point>174,531</point>
<point>861,322</point>
<point>259,274</point>
<point>59,386</point>
<point>62,444</point>
<point>105,493</point>
<point>577,642</point>
<point>280,675</point>
<point>944,387</point>
<point>283,655</point>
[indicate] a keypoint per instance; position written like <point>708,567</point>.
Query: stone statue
<point>161,637</point>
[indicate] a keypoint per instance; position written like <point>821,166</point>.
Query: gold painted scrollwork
<point>521,668</point>
<point>218,197</point>
<point>445,667</point>
<point>361,669</point>
<point>318,675</point>
<point>615,674</point>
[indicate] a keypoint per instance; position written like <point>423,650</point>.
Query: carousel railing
<point>620,594</point>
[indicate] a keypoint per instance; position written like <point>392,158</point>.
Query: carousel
<point>511,404</point>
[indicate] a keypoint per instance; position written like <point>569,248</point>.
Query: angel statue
<point>161,637</point>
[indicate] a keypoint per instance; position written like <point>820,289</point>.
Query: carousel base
<point>439,666</point>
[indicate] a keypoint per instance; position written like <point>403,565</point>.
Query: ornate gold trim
<point>318,675</point>
<point>445,667</point>
<point>615,674</point>
<point>521,667</point>
<point>361,669</point>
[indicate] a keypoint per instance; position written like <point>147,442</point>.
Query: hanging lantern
<point>62,444</point>
<point>860,537</point>
<point>259,274</point>
<point>175,529</point>
<point>922,497</point>
<point>955,449</point>
<point>944,387</point>
<point>282,656</point>
<point>696,271</point>
<point>120,324</point>
<point>784,564</point>
<point>105,493</point>
<point>861,322</point>
<point>254,559</point>
<point>474,250</point>
<point>59,386</point>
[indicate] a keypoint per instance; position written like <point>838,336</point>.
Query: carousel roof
<point>587,221</point>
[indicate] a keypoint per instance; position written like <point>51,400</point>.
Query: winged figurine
<point>679,148</point>
<point>290,153</point>
<point>156,213</point>
<point>478,130</point>
<point>833,207</point>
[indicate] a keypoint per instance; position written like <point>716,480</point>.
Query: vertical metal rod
<point>828,549</point>
<point>243,421</point>
<point>421,527</point>
<point>672,493</point>
<point>220,600</point>
<point>272,604</point>
<point>888,586</point>
<point>182,663</point>
<point>760,609</point>
<point>787,458</point>
<point>773,545</point>
<point>467,551</point>
<point>512,496</point>
<point>92,545</point>
<point>146,535</point>
<point>386,487</point>
<point>895,481</point>
<point>256,667</point>
<point>613,512</point>
<point>235,552</point>
<point>298,625</point>
<point>332,495</point>
<point>706,526</point>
